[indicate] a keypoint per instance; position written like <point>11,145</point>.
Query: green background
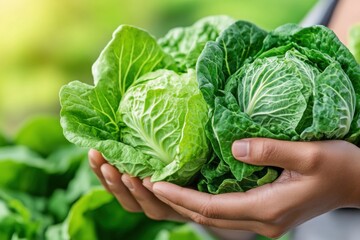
<point>45,44</point>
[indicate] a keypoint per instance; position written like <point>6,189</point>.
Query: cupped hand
<point>318,177</point>
<point>130,191</point>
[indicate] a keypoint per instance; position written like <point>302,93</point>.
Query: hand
<point>134,197</point>
<point>130,192</point>
<point>318,177</point>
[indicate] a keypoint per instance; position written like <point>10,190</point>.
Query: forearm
<point>345,15</point>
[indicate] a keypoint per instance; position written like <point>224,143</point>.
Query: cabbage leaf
<point>291,83</point>
<point>145,113</point>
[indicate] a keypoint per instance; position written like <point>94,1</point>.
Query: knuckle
<point>208,210</point>
<point>199,219</point>
<point>314,157</point>
<point>273,215</point>
<point>266,151</point>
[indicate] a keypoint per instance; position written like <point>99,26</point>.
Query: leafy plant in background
<point>56,195</point>
<point>291,83</point>
<point>97,215</point>
<point>16,221</point>
<point>145,113</point>
<point>354,42</point>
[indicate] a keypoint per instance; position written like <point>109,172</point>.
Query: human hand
<point>318,177</point>
<point>134,197</point>
<point>129,191</point>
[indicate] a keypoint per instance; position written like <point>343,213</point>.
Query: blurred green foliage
<point>45,44</point>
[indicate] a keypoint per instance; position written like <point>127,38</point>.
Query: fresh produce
<point>54,194</point>
<point>151,114</point>
<point>292,83</point>
<point>145,113</point>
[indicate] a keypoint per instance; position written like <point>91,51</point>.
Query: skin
<point>318,177</point>
<point>345,15</point>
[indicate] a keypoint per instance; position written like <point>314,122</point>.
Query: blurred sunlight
<point>45,44</point>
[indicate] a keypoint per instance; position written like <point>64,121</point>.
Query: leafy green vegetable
<point>145,113</point>
<point>32,167</point>
<point>186,44</point>
<point>354,41</point>
<point>16,221</point>
<point>61,200</point>
<point>24,170</point>
<point>62,165</point>
<point>80,224</point>
<point>97,215</point>
<point>292,83</point>
<point>58,197</point>
<point>18,165</point>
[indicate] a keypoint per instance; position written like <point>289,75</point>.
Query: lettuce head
<point>145,112</point>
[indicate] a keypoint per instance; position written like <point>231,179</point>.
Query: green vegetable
<point>22,170</point>
<point>354,41</point>
<point>42,134</point>
<point>24,166</point>
<point>82,182</point>
<point>58,197</point>
<point>16,221</point>
<point>145,113</point>
<point>97,215</point>
<point>292,83</point>
<point>81,223</point>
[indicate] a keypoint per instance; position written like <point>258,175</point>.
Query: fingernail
<point>92,165</point>
<point>106,175</point>
<point>127,181</point>
<point>157,189</point>
<point>240,149</point>
<point>146,183</point>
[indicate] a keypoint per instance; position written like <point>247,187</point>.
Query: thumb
<point>293,156</point>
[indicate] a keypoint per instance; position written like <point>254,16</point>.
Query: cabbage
<point>145,113</point>
<point>292,83</point>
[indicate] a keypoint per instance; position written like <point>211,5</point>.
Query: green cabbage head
<point>145,112</point>
<point>293,83</point>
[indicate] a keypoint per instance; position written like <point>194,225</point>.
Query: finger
<point>113,180</point>
<point>265,229</point>
<point>151,205</point>
<point>210,206</point>
<point>252,226</point>
<point>96,160</point>
<point>294,156</point>
<point>264,204</point>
